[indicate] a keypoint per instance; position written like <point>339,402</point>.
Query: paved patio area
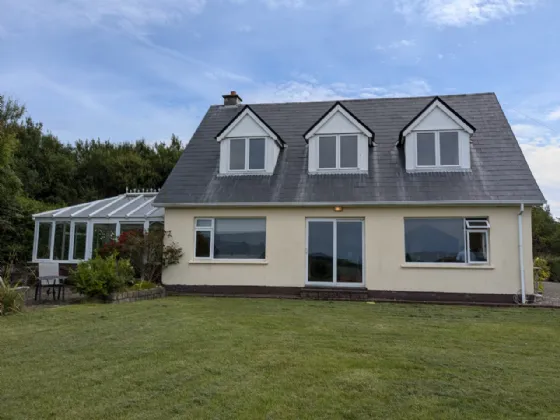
<point>551,295</point>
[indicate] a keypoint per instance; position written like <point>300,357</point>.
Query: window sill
<point>449,266</point>
<point>245,173</point>
<point>225,261</point>
<point>338,172</point>
<point>430,169</point>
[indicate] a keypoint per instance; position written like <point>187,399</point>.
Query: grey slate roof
<point>499,170</point>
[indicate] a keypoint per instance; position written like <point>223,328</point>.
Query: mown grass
<point>216,358</point>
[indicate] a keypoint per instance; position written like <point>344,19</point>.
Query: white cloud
<point>127,15</point>
<point>534,134</point>
<point>462,12</point>
<point>90,107</point>
<point>403,43</point>
<point>305,91</point>
<point>554,115</point>
<point>541,147</point>
<point>292,4</point>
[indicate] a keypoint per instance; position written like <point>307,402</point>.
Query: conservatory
<point>72,234</point>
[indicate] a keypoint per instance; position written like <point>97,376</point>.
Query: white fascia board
<point>358,204</point>
<point>327,117</point>
<point>445,110</point>
<point>250,114</point>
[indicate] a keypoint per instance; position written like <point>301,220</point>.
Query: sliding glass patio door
<point>335,251</point>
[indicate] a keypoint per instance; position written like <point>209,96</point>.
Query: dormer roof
<point>338,109</point>
<point>248,112</point>
<point>436,104</point>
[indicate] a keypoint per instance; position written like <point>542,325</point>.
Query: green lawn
<point>217,358</point>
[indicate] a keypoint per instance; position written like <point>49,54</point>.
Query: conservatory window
<point>102,234</point>
<point>44,241</point>
<point>61,248</point>
<point>80,235</point>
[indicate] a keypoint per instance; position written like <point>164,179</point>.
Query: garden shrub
<point>11,299</point>
<point>148,252</point>
<point>542,274</point>
<point>99,277</point>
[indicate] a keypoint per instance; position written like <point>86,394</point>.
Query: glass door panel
<point>349,252</point>
<point>335,252</point>
<point>320,252</point>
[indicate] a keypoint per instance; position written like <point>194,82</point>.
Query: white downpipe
<point>521,263</point>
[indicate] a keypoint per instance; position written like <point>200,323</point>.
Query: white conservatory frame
<point>136,208</point>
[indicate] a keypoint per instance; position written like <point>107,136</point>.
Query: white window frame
<point>204,229</point>
<point>338,153</point>
<point>467,222</point>
<point>247,145</point>
<point>334,283</point>
<point>438,148</point>
<point>211,229</point>
<point>484,230</point>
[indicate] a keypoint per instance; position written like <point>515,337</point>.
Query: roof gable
<point>247,123</point>
<point>338,119</point>
<point>437,114</point>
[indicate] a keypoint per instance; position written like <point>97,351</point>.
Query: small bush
<point>542,273</point>
<point>11,299</point>
<point>143,285</point>
<point>149,252</point>
<point>99,277</point>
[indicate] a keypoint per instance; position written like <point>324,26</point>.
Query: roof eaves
<point>356,203</point>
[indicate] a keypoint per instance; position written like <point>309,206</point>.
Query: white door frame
<point>334,222</point>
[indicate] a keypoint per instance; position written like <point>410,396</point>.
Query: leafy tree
<point>10,115</point>
<point>546,232</point>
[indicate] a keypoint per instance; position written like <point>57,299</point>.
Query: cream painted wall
<point>385,268</point>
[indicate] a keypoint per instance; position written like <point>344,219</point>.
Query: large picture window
<point>230,238</point>
<point>446,240</point>
<point>247,154</point>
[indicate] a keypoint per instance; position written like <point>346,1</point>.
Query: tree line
<point>38,172</point>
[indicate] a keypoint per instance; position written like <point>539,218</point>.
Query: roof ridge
<point>334,100</point>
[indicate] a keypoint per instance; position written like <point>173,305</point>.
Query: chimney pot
<point>232,98</point>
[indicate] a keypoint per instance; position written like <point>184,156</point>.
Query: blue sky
<point>128,69</point>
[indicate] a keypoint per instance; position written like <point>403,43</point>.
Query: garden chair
<point>49,277</point>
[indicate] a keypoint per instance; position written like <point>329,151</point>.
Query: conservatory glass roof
<point>129,205</point>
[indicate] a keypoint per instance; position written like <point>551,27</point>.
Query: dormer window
<point>248,145</point>
<point>437,139</point>
<point>437,148</point>
<point>247,154</point>
<point>338,152</point>
<point>338,143</point>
